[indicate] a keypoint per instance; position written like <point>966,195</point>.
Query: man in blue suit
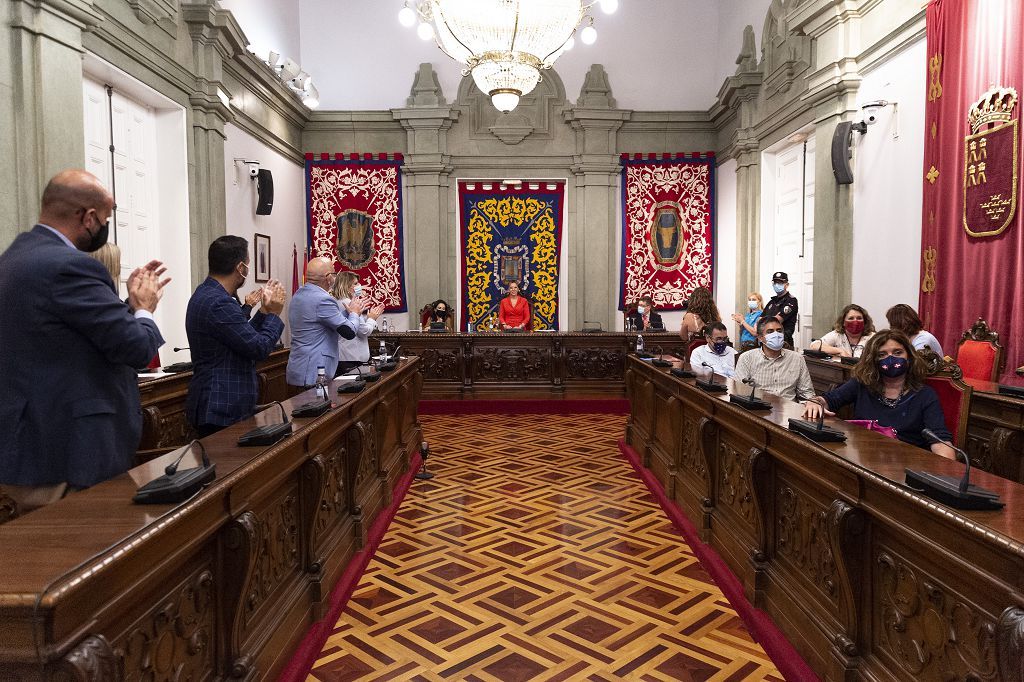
<point>226,344</point>
<point>69,398</point>
<point>317,320</point>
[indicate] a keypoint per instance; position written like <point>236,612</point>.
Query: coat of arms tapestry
<point>354,209</point>
<point>510,233</point>
<point>667,227</point>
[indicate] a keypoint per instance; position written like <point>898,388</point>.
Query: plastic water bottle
<point>639,343</point>
<point>469,328</point>
<point>322,391</point>
<point>383,351</point>
<point>384,325</point>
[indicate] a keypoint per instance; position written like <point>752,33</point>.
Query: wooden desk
<point>164,423</point>
<point>220,587</point>
<point>866,578</point>
<point>530,365</point>
<point>995,423</point>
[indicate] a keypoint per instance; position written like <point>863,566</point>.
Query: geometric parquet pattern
<point>535,554</point>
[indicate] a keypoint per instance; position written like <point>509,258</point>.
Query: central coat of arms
<point>355,239</point>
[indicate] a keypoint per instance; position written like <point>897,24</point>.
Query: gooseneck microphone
<point>709,385</point>
<point>423,474</point>
<point>389,364</point>
<point>267,434</point>
<point>959,494</point>
<point>176,486</point>
<point>749,402</point>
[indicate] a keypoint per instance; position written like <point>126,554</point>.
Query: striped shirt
<point>785,376</point>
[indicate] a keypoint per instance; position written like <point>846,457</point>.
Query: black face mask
<point>99,239</point>
<point>441,313</point>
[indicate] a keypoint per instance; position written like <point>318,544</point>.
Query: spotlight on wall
<point>290,73</point>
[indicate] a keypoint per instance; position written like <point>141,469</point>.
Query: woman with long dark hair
<point>700,312</point>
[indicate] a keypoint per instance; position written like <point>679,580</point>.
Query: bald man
<point>317,320</point>
<point>69,400</point>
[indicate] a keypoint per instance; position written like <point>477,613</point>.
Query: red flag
<point>295,268</point>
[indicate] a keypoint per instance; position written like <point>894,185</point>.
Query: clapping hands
<point>273,298</point>
<point>145,288</point>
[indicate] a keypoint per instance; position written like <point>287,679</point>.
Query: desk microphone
<point>749,401</point>
<point>175,486</point>
<point>710,384</point>
<point>959,494</point>
<point>820,354</point>
<point>267,434</point>
<point>389,365</point>
<point>659,359</point>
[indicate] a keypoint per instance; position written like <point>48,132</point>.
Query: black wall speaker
<point>265,192</point>
<point>842,140</point>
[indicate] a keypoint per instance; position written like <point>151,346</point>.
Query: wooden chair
<point>946,378</point>
<point>425,313</point>
<point>979,354</point>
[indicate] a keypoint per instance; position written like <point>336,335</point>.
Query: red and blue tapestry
<point>668,224</point>
<point>354,212</point>
<point>510,233</point>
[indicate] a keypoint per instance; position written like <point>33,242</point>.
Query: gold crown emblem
<point>995,106</point>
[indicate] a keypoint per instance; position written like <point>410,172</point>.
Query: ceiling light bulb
<point>407,16</point>
<point>570,43</point>
<point>425,31</point>
<point>609,6</point>
<point>505,100</point>
<point>588,35</point>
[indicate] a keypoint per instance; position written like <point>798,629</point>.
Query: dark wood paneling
<point>866,578</point>
<point>222,586</point>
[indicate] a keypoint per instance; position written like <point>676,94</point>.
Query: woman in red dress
<point>514,311</point>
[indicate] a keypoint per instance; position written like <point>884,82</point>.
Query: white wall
<point>887,186</point>
<point>657,52</point>
<point>272,24</point>
<point>725,246</point>
<point>733,15</point>
<point>285,225</point>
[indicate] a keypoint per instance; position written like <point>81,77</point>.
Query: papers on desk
<point>153,375</point>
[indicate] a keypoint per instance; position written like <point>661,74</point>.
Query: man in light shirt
<point>717,354</point>
<point>775,369</point>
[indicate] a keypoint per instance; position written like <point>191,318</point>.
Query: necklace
<point>892,402</point>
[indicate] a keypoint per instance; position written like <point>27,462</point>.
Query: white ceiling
<point>659,54</point>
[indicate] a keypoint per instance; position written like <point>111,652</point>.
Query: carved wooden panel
<point>326,489</point>
<point>165,428</point>
<point>926,630</point>
<point>734,489</point>
<point>801,537</point>
<point>512,364</point>
<point>594,363</point>
<point>441,363</point>
<point>176,640</point>
<point>691,459</point>
<point>92,660</point>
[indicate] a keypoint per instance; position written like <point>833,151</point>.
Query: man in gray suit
<point>69,399</point>
<point>316,320</point>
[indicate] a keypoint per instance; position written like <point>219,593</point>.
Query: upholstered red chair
<point>696,343</point>
<point>955,399</point>
<point>979,354</point>
<point>425,313</point>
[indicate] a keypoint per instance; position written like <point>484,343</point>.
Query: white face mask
<point>357,291</point>
<point>641,309</point>
<point>752,304</point>
<point>779,287</point>
<point>774,340</point>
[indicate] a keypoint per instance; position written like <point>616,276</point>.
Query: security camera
<point>254,169</point>
<point>872,110</point>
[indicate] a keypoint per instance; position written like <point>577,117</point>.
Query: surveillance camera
<point>253,168</point>
<point>872,110</point>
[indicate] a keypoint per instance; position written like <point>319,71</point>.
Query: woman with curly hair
<point>700,312</point>
<point>852,330</point>
<point>888,387</point>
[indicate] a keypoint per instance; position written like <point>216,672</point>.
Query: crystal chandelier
<point>503,43</point>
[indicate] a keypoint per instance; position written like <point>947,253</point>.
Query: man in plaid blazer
<point>225,344</point>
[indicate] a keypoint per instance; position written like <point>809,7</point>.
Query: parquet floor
<point>535,554</point>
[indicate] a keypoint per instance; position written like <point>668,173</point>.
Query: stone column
<point>41,119</point>
<point>208,25</point>
<point>430,247</point>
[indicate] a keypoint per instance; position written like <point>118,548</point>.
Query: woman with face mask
<point>354,352</point>
<point>888,387</point>
<point>852,330</point>
<point>440,312</point>
<point>748,321</point>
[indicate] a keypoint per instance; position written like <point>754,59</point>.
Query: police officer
<point>782,306</point>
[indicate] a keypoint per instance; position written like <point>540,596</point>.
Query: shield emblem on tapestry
<point>355,239</point>
<point>666,235</point>
<point>990,164</point>
<point>510,264</point>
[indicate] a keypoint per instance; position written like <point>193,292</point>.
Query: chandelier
<point>504,43</point>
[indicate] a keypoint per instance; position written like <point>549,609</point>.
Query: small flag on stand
<point>295,268</point>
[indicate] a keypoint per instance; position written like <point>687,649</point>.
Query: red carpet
<point>761,626</point>
<point>305,655</point>
<point>574,406</point>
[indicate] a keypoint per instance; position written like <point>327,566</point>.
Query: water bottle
<point>639,343</point>
<point>469,328</point>
<point>384,326</point>
<point>322,391</point>
<point>383,351</point>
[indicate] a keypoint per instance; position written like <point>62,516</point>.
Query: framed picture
<point>261,254</point>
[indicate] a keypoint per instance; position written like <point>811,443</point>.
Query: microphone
<point>267,406</point>
<point>710,385</point>
<point>820,354</point>
<point>423,474</point>
<point>175,486</point>
<point>178,350</point>
<point>268,434</point>
<point>959,494</point>
<point>749,401</point>
<point>659,360</point>
<point>389,365</point>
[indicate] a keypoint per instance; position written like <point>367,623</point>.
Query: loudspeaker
<point>265,191</point>
<point>842,139</point>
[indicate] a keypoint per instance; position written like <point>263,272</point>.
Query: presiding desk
<point>995,422</point>
<point>223,586</point>
<point>524,365</point>
<point>867,578</point>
